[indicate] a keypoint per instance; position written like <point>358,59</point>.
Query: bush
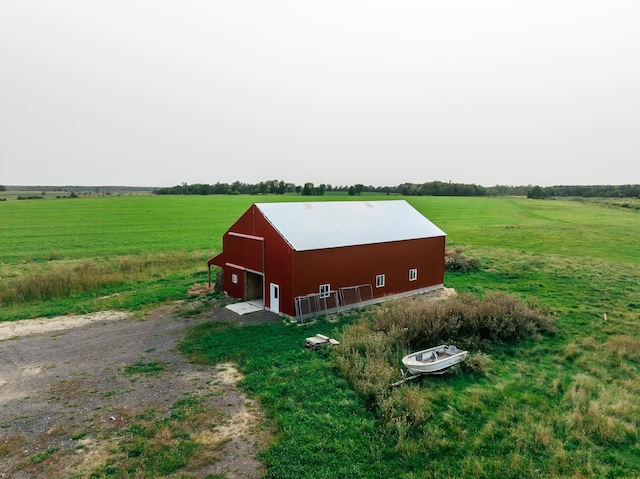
<point>462,319</point>
<point>476,363</point>
<point>456,260</point>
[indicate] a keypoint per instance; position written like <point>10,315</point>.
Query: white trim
<point>274,297</point>
<point>325,290</point>
<point>242,235</point>
<point>242,268</point>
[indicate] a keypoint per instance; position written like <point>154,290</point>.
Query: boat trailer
<point>406,377</point>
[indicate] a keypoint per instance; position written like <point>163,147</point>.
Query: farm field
<point>563,404</point>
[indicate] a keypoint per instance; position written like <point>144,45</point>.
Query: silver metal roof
<point>333,224</point>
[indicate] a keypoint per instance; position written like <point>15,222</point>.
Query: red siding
<point>235,290</point>
<point>247,253</point>
<point>243,252</point>
<point>277,266</point>
<point>356,265</point>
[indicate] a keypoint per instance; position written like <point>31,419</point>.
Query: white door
<point>274,302</point>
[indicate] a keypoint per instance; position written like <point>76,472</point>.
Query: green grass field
<point>560,405</point>
<point>97,227</point>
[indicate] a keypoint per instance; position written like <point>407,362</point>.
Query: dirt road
<point>63,388</point>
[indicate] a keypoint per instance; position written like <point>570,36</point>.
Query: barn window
<point>324,290</point>
<point>413,274</point>
<point>380,281</point>
<point>234,278</point>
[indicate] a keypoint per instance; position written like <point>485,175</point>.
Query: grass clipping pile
<point>107,395</point>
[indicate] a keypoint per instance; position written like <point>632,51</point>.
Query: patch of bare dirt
<point>63,388</point>
<point>26,327</point>
<point>441,293</point>
<point>201,289</point>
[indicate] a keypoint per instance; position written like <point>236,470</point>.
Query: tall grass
<point>463,319</point>
<point>43,282</point>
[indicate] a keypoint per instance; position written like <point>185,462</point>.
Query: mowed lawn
<point>98,227</point>
<point>93,227</point>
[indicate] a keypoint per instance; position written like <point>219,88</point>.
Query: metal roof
<point>333,224</point>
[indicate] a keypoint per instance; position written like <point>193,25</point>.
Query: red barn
<point>304,259</point>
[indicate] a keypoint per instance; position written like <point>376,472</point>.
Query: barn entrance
<point>253,287</point>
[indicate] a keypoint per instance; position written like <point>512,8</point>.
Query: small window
<point>413,274</point>
<point>325,289</point>
<point>234,278</point>
<point>380,281</point>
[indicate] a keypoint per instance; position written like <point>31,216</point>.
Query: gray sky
<point>154,93</point>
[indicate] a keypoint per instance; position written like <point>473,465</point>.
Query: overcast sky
<point>154,93</point>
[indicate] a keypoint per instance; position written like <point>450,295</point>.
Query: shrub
<point>462,319</point>
<point>30,197</point>
<point>476,363</point>
<point>456,260</point>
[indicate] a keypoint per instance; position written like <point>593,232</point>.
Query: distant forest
<point>278,187</point>
<point>432,188</point>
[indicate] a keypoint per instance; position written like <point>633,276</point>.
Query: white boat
<point>433,360</point>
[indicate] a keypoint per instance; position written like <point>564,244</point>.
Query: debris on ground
<point>320,340</point>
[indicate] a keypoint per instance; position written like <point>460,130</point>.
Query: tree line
<point>432,188</point>
<point>594,191</point>
<point>279,187</point>
<point>276,187</point>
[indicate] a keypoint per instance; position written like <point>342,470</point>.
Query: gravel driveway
<point>64,388</point>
